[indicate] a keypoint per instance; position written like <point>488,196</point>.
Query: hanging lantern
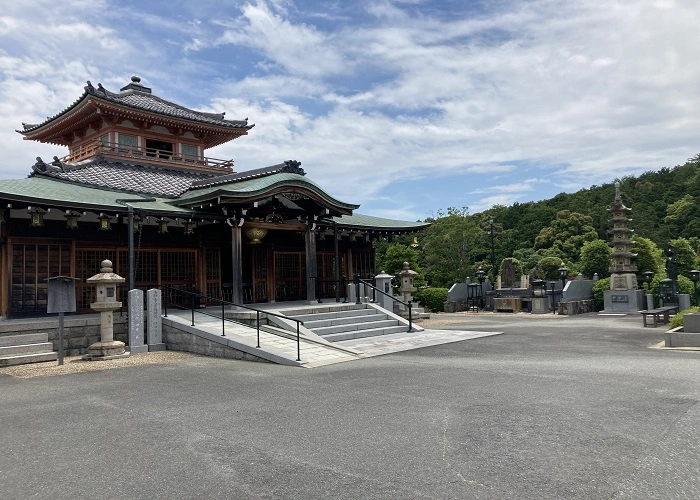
<point>72,219</point>
<point>255,234</point>
<point>36,215</point>
<point>105,222</point>
<point>189,227</point>
<point>162,226</point>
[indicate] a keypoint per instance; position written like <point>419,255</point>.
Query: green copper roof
<point>359,221</point>
<point>261,186</point>
<point>45,191</point>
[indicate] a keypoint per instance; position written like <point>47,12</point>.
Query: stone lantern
<point>406,287</point>
<point>106,303</point>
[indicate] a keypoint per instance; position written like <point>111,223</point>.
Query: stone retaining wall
<point>78,331</point>
<point>177,339</point>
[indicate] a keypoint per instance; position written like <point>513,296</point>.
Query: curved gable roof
<point>138,97</point>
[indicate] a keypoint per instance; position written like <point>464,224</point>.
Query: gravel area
<point>76,364</point>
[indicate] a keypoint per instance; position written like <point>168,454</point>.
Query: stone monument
<point>624,294</point>
<point>105,303</point>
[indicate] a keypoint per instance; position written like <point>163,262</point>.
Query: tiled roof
<point>290,166</point>
<point>43,190</point>
<point>247,187</point>
<point>135,177</point>
<point>359,221</point>
<point>139,97</point>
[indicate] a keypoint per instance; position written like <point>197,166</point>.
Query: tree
<point>566,234</point>
<point>685,256</point>
<point>450,247</point>
<point>548,268</point>
<point>595,259</point>
<point>649,256</point>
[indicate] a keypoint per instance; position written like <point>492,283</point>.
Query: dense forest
<point>572,229</point>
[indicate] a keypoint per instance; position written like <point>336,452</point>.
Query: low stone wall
<point>78,331</point>
<point>177,339</point>
<point>573,307</point>
<point>453,306</point>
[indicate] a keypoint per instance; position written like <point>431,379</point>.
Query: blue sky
<point>405,107</point>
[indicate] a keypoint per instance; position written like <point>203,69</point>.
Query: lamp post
<point>493,257</point>
<point>552,284</point>
<point>480,278</point>
<point>563,274</point>
<point>694,277</point>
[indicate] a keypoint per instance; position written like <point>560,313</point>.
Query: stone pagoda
<point>624,294</point>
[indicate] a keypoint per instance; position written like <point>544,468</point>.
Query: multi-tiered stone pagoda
<point>624,295</point>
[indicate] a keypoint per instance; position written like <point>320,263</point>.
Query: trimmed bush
<point>677,319</point>
<point>598,289</point>
<point>432,298</point>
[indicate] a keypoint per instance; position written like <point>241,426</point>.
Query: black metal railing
<point>370,284</point>
<point>194,301</point>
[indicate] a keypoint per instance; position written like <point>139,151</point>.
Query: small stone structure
<point>105,303</point>
<point>406,287</point>
<point>624,294</point>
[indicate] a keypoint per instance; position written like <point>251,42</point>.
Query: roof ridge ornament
<point>293,167</point>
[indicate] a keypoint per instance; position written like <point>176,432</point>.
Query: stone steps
<point>349,322</point>
<point>26,348</point>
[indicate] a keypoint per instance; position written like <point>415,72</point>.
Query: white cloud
<point>574,92</point>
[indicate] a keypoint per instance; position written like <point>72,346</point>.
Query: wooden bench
<point>660,316</point>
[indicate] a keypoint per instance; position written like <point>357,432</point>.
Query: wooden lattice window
<point>363,263</point>
<point>32,264</point>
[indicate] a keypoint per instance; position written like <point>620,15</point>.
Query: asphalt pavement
<point>555,407</point>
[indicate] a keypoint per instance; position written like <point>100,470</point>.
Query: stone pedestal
<point>623,301</point>
<point>540,305</point>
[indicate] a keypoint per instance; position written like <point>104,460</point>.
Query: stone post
<point>136,343</point>
<point>155,320</point>
<point>383,281</point>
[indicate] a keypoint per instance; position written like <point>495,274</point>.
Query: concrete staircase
<point>26,348</point>
<point>352,321</point>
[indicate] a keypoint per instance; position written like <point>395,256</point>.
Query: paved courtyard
<point>555,407</point>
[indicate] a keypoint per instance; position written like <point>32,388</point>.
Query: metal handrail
<point>408,304</point>
<point>224,303</point>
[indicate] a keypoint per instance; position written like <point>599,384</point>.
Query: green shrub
<point>677,319</point>
<point>432,298</point>
<point>598,289</point>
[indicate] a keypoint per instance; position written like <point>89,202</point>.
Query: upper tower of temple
<point>623,271</point>
<point>135,125</point>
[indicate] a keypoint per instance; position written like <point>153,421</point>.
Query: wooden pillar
<point>237,264</point>
<point>311,265</point>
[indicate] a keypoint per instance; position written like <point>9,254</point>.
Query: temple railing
<point>151,155</point>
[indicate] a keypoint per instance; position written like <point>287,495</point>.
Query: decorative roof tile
<point>139,97</point>
<point>135,177</point>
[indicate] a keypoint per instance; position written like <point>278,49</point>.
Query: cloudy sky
<point>403,106</point>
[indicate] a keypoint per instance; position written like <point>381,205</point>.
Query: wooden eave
<point>55,131</point>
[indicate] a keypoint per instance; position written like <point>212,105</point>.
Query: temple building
<point>136,188</point>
